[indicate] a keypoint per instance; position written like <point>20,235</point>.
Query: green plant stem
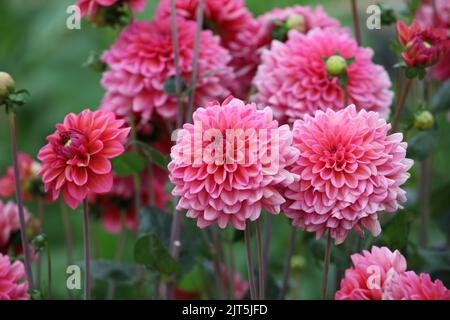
<point>250,269</point>
<point>67,237</point>
<point>49,272</point>
<point>287,263</point>
<point>326,266</point>
<point>40,206</point>
<point>23,233</point>
<point>87,255</point>
<point>261,272</point>
<point>232,269</point>
<point>401,104</point>
<point>356,22</point>
<point>266,251</point>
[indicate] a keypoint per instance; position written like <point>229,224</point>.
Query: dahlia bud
<point>7,85</point>
<point>296,22</point>
<point>424,120</point>
<point>40,241</point>
<point>336,65</point>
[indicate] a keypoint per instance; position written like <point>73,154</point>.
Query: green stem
<point>326,266</point>
<point>401,104</point>
<point>356,22</point>
<point>250,269</point>
<point>261,271</point>
<point>87,256</point>
<point>287,263</point>
<point>49,272</point>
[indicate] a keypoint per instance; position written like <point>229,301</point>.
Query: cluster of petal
<point>13,285</point>
<point>91,7</point>
<point>411,286</point>
<point>370,272</point>
<point>238,183</point>
<point>76,159</point>
<point>293,78</point>
<point>142,60</point>
<point>422,47</point>
<point>9,222</point>
<point>27,170</point>
<point>350,170</point>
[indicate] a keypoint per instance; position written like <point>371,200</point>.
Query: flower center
<point>427,44</point>
<point>72,142</point>
<point>336,65</point>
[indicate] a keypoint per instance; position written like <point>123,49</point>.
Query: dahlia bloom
<point>293,77</point>
<point>370,272</point>
<point>13,284</point>
<point>91,7</point>
<point>351,169</point>
<point>141,61</point>
<point>410,286</point>
<point>422,47</point>
<point>76,159</point>
<point>231,182</point>
<point>9,222</point>
<point>28,170</point>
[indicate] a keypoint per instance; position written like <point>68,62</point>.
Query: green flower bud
<point>424,120</point>
<point>296,22</point>
<point>336,65</point>
<point>7,85</point>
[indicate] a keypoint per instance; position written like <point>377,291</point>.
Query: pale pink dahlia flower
<point>76,159</point>
<point>370,272</point>
<point>230,163</point>
<point>411,286</point>
<point>28,172</point>
<point>91,7</point>
<point>9,222</point>
<point>293,77</point>
<point>350,170</point>
<point>142,60</point>
<point>13,284</point>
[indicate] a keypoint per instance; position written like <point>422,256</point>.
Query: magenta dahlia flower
<point>9,223</point>
<point>230,163</point>
<point>141,61</point>
<point>28,170</point>
<point>76,159</point>
<point>13,284</point>
<point>411,286</point>
<point>370,272</point>
<point>295,80</point>
<point>91,7</point>
<point>351,169</point>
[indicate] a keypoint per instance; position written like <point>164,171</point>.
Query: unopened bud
<point>7,85</point>
<point>424,120</point>
<point>336,65</point>
<point>296,22</point>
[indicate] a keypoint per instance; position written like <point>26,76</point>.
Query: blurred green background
<point>46,58</point>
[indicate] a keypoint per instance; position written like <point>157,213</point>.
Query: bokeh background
<point>47,59</point>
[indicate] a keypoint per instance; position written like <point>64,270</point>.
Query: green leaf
<point>156,157</point>
<point>422,144</point>
<point>128,164</point>
<point>150,251</point>
<point>441,100</point>
<point>153,220</point>
<point>116,271</point>
<point>411,72</point>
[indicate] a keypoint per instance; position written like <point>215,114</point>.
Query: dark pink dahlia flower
<point>13,284</point>
<point>91,7</point>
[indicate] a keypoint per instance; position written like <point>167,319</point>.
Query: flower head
<point>294,79</point>
<point>422,47</point>
<point>9,223</point>
<point>28,170</point>
<point>76,159</point>
<point>6,85</point>
<point>370,272</point>
<point>142,60</point>
<point>410,286</point>
<point>350,170</point>
<point>12,279</point>
<point>92,7</point>
<point>230,163</point>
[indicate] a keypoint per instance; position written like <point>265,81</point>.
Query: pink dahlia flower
<point>141,61</point>
<point>230,163</point>
<point>28,170</point>
<point>293,77</point>
<point>76,159</point>
<point>410,286</point>
<point>370,272</point>
<point>91,7</point>
<point>240,286</point>
<point>351,169</point>
<point>13,284</point>
<point>9,222</point>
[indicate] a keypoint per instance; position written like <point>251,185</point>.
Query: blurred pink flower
<point>410,286</point>
<point>9,223</point>
<point>240,286</point>
<point>233,182</point>
<point>91,7</point>
<point>13,284</point>
<point>370,272</point>
<point>422,47</point>
<point>293,77</point>
<point>76,159</point>
<point>141,61</point>
<point>351,170</point>
<point>28,172</point>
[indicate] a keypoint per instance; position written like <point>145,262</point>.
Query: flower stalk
<point>326,266</point>
<point>87,255</point>
<point>250,269</point>
<point>287,264</point>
